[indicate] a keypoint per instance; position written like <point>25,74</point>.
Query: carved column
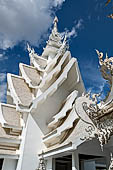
<point>75,161</point>
<point>49,164</point>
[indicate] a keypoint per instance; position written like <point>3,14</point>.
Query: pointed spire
<point>56,43</point>
<point>55,24</point>
<point>55,36</point>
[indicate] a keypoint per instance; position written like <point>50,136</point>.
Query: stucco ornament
<point>32,53</point>
<point>111,163</point>
<point>107,62</point>
<point>64,46</point>
<point>106,67</point>
<point>91,109</point>
<point>104,135</point>
<point>101,117</point>
<point>42,165</point>
<point>82,105</point>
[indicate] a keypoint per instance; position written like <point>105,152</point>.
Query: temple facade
<point>49,121</point>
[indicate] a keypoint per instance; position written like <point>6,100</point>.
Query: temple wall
<point>89,165</point>
<point>9,164</point>
<point>32,146</point>
<point>92,148</point>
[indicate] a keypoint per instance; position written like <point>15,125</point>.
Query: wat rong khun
<point>49,121</point>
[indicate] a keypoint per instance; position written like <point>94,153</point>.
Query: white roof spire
<point>55,23</point>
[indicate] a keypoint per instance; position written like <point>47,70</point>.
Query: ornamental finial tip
<point>55,23</point>
<point>55,20</point>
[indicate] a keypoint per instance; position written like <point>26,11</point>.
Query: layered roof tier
<point>19,91</point>
<point>10,131</point>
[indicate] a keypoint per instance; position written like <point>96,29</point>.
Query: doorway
<point>63,163</point>
<point>1,163</point>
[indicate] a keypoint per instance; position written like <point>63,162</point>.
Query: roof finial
<point>55,23</point>
<point>55,19</point>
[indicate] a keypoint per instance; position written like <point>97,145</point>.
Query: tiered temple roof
<point>52,91</point>
<point>50,78</point>
<point>10,130</point>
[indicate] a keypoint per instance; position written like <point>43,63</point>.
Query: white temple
<point>49,121</point>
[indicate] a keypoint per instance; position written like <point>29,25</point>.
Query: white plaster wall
<point>9,164</point>
<point>89,165</point>
<point>92,148</point>
<point>49,164</point>
<point>32,146</point>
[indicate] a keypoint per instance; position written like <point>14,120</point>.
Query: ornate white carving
<point>107,62</point>
<point>42,165</point>
<point>106,68</point>
<point>91,128</point>
<point>110,16</point>
<point>39,62</point>
<point>99,117</point>
<point>111,163</point>
<point>104,135</point>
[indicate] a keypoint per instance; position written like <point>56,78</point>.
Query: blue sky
<point>88,28</point>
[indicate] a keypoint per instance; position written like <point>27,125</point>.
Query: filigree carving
<point>90,127</point>
<point>104,135</point>
<point>107,62</point>
<point>31,51</point>
<point>106,68</point>
<point>92,109</point>
<point>42,165</point>
<point>64,46</point>
<point>55,38</point>
<point>101,117</point>
<point>90,131</point>
<point>111,163</point>
<point>56,44</point>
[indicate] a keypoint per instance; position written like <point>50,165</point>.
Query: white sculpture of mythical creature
<point>106,67</point>
<point>100,56</point>
<point>107,62</point>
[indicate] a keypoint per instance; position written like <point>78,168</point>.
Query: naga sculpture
<point>101,113</point>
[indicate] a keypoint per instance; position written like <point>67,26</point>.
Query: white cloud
<point>3,57</point>
<point>2,76</point>
<point>3,87</point>
<point>58,2</point>
<point>74,31</point>
<point>25,20</point>
<point>100,84</point>
<point>79,24</point>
